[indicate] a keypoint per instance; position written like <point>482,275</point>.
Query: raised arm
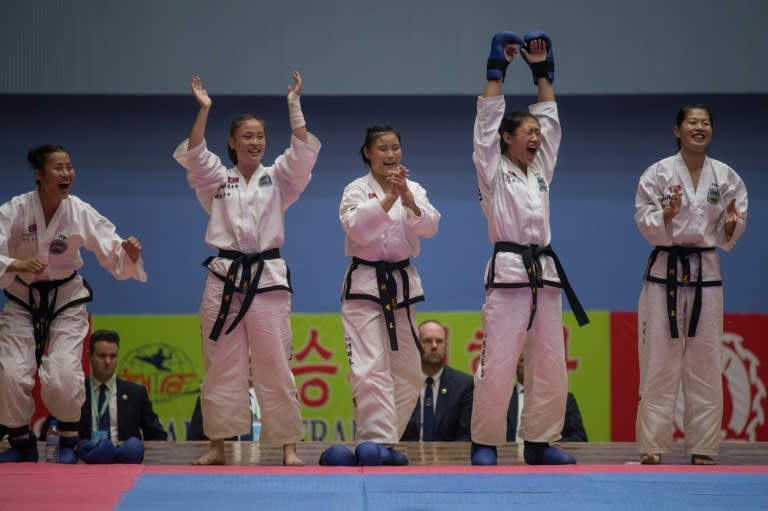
<point>298,125</point>
<point>504,47</point>
<point>537,52</point>
<point>197,135</point>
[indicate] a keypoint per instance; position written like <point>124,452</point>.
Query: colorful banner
<point>744,378</point>
<point>163,354</point>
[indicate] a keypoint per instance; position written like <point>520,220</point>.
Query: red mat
<point>50,487</point>
<point>461,469</point>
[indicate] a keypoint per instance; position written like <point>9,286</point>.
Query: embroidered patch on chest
<point>542,184</point>
<point>31,234</point>
<point>713,194</point>
<point>511,177</point>
<point>265,180</point>
<point>58,246</point>
<point>675,188</point>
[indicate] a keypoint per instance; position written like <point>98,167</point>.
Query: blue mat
<point>449,492</point>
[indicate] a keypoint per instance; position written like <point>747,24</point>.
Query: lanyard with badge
<point>99,412</point>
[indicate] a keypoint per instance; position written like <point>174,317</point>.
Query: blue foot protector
<point>483,454</point>
<point>541,453</point>
<point>96,452</point>
<point>368,454</point>
<point>389,456</point>
<point>22,449</point>
<point>337,456</point>
<point>131,451</point>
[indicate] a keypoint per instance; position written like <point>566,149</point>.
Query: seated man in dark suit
<point>573,428</point>
<point>115,408</point>
<point>446,397</point>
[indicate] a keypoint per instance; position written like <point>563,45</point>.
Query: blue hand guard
<point>497,58</point>
<point>545,68</point>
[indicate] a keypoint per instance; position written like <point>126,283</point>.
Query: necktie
<point>104,419</point>
<point>428,423</point>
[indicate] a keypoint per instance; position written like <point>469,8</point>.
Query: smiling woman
<point>41,234</point>
<point>247,204</point>
<point>383,214</point>
<point>686,205</point>
<point>247,142</point>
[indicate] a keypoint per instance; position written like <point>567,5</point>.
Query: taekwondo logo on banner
<point>166,372</point>
<point>743,392</point>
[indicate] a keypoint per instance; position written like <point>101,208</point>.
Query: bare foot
<point>650,459</point>
<point>214,456</point>
<point>702,459</point>
<point>290,458</point>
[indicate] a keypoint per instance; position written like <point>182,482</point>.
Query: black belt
<point>677,253</point>
<point>247,286</point>
<point>531,260</point>
<point>44,312</point>
<point>387,286</point>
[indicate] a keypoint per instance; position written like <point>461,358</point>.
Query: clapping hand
<point>732,217</point>
<point>132,247</point>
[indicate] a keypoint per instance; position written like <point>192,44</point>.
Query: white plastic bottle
<point>255,416</point>
<point>52,439</point>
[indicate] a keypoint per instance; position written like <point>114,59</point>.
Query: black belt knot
<point>677,253</point>
<point>247,285</point>
<point>44,312</point>
<point>387,287</point>
<point>531,255</point>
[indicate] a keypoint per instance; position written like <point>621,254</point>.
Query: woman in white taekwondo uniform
<point>45,320</point>
<point>383,215</point>
<point>686,205</point>
<point>523,307</point>
<point>245,310</point>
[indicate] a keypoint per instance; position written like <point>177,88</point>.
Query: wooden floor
<point>449,453</point>
<point>442,453</point>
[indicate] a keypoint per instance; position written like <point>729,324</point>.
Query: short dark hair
<point>103,335</point>
<point>371,135</point>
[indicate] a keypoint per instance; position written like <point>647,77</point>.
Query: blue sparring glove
<point>390,456</point>
<point>130,452</point>
<point>96,452</point>
<point>545,68</point>
<point>368,454</point>
<point>337,456</point>
<point>497,59</point>
<point>481,454</point>
<point>536,453</point>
